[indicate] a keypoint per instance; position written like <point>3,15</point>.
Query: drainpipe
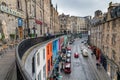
<point>26,20</point>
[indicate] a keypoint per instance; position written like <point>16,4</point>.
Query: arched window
<point>4,4</point>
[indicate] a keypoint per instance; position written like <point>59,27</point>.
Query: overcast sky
<point>82,7</point>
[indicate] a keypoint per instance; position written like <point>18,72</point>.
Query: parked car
<point>68,55</point>
<point>76,55</point>
<point>67,67</point>
<point>85,53</point>
<point>82,42</point>
<point>68,60</point>
<point>70,42</point>
<point>68,48</point>
<point>68,51</point>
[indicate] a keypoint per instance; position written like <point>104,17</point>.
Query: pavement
<point>83,68</point>
<point>7,64</point>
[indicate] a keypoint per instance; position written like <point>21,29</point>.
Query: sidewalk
<point>7,62</point>
<point>100,71</point>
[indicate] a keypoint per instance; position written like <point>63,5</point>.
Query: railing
<point>22,48</point>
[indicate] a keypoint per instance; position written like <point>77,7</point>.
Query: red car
<point>67,68</point>
<point>76,55</point>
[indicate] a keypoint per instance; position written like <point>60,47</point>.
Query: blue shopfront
<point>55,49</point>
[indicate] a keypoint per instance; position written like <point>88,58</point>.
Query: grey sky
<point>82,7</point>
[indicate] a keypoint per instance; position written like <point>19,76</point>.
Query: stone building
<point>73,24</point>
<point>105,35</point>
<point>12,18</point>
<point>34,17</point>
<point>111,37</point>
<point>96,29</point>
<point>52,19</point>
<point>47,6</point>
<point>82,25</point>
<point>63,22</point>
<point>56,21</point>
<point>39,17</point>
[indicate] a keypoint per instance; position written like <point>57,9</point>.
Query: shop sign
<point>20,22</point>
<point>10,11</point>
<point>38,22</point>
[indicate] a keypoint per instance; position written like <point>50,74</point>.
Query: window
<point>41,29</point>
<point>51,60</point>
<point>39,76</point>
<point>107,38</point>
<point>113,39</point>
<point>41,18</point>
<point>41,3</point>
<point>44,72</point>
<point>61,26</point>
<point>19,4</point>
<point>33,65</point>
<point>4,4</point>
<point>113,55</point>
<point>48,49</point>
<point>108,26</point>
<point>48,65</point>
<point>113,24</point>
<point>38,59</point>
<point>43,53</point>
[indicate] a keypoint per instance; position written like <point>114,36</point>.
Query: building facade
<point>105,35</point>
<point>73,24</point>
<point>63,22</point>
<point>12,17</point>
<point>47,5</point>
<point>82,25</point>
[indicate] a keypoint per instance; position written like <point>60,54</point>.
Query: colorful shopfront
<point>55,48</point>
<point>49,57</point>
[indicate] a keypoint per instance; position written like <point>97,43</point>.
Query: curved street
<point>83,68</point>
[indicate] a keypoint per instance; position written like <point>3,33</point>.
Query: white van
<point>85,53</point>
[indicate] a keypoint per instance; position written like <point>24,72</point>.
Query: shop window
<point>38,59</point>
<point>44,54</point>
<point>48,50</point>
<point>48,65</point>
<point>51,60</point>
<point>33,65</point>
<point>44,72</point>
<point>39,76</point>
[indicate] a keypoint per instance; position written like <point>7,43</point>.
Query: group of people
<point>100,58</point>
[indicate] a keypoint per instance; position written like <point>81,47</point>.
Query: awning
<point>38,22</point>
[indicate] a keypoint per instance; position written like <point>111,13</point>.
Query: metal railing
<point>22,48</point>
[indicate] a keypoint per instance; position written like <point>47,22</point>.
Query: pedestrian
<point>61,67</point>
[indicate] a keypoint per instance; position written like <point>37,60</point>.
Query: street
<point>82,68</point>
